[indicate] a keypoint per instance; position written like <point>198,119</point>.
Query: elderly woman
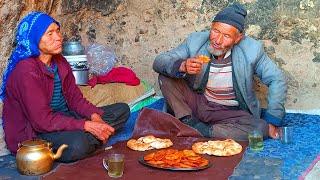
<point>41,99</point>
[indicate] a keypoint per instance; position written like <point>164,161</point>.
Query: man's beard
<point>216,52</point>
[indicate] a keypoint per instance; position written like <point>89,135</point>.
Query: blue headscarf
<point>28,35</point>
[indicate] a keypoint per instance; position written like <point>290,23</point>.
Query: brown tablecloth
<point>160,125</point>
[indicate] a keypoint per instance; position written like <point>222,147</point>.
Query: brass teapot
<point>35,157</point>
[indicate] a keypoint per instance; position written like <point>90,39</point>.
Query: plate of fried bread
<point>175,160</point>
<point>226,147</point>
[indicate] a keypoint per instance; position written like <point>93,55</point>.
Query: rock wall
<point>138,30</point>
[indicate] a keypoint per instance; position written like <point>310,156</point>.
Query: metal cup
<point>285,134</point>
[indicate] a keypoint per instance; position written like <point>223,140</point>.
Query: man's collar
<point>228,53</point>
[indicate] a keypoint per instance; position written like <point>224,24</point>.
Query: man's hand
<point>191,66</point>
<point>273,131</point>
<point>101,130</point>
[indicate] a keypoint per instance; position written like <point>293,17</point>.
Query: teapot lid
<point>34,142</point>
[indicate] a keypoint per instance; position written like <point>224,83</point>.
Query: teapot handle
<point>49,144</point>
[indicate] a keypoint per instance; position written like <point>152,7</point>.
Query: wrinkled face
<point>51,41</point>
<point>222,38</point>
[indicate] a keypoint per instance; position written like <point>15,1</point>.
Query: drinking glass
<point>114,163</point>
<point>285,134</point>
<point>255,140</point>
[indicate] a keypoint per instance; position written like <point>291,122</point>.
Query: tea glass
<point>114,163</point>
<point>255,140</point>
<point>285,134</point>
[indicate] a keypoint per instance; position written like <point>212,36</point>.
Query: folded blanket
<point>116,75</point>
<point>104,94</point>
<point>161,124</point>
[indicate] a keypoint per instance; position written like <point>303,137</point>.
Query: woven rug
<point>291,159</point>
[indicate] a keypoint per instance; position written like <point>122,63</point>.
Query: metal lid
<point>72,42</point>
<point>34,143</point>
<point>72,48</point>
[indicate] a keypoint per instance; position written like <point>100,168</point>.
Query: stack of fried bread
<point>148,142</point>
<point>172,158</point>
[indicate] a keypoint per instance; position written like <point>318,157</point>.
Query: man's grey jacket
<point>248,59</point>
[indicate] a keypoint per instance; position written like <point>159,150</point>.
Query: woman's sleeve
<point>34,103</point>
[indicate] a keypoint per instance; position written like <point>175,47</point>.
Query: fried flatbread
<point>148,142</point>
<point>227,147</point>
<point>204,59</point>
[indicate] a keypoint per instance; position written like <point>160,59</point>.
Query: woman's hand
<point>101,130</point>
<point>96,117</point>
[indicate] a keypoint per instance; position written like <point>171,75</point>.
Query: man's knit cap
<point>233,15</point>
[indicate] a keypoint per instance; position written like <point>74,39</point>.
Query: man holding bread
<point>223,104</point>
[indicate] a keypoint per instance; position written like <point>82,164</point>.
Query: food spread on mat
<point>186,159</point>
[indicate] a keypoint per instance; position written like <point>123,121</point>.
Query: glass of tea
<point>286,134</point>
<point>114,163</point>
<point>255,140</point>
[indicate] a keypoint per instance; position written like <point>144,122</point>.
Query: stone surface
<point>314,172</point>
<point>106,7</point>
<point>138,30</point>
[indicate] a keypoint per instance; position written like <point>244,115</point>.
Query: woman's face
<point>51,41</point>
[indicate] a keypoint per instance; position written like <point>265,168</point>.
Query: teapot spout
<point>59,151</point>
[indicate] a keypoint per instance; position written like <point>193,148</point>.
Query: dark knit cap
<point>233,15</point>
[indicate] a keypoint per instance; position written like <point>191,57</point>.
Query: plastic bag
<point>101,59</point>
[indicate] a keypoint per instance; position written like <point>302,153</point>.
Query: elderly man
<point>224,105</point>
